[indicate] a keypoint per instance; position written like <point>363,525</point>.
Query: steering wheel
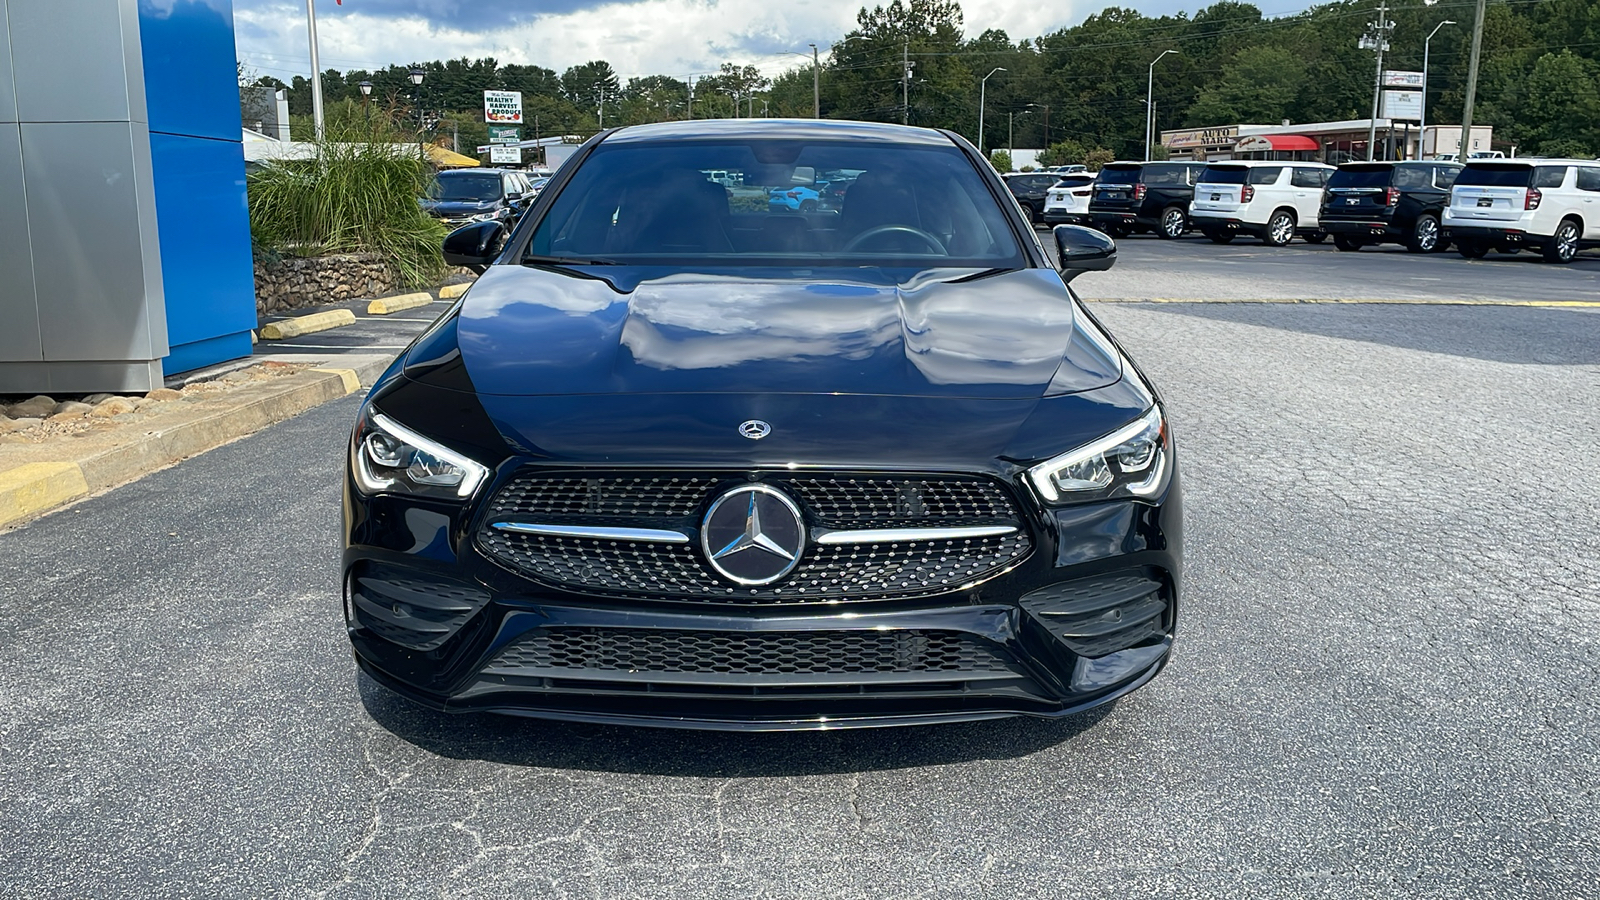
<point>865,236</point>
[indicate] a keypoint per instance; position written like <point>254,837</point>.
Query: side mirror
<point>1083,250</point>
<point>475,245</point>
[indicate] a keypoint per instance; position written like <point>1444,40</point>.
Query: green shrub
<point>1001,160</point>
<point>357,194</point>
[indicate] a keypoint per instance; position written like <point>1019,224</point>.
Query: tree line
<point>1081,87</point>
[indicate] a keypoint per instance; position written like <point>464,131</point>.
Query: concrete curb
<point>294,327</point>
<point>30,490</point>
<point>383,306</point>
<point>1553,304</point>
<point>452,291</point>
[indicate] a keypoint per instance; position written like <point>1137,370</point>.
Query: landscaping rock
<point>162,394</point>
<point>98,399</point>
<point>33,408</point>
<point>70,409</point>
<point>116,406</point>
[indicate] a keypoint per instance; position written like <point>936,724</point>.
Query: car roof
<point>1530,161</point>
<point>792,129</point>
<point>1250,163</point>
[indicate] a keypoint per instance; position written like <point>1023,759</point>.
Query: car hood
<point>457,207</point>
<point>945,333</point>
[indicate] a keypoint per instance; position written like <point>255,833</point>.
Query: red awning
<point>1260,142</point>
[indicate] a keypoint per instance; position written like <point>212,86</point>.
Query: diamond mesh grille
<point>678,572</point>
<point>746,653</point>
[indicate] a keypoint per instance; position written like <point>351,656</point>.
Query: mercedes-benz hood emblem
<point>754,429</point>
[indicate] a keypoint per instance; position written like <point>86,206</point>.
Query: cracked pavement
<point>1385,682</point>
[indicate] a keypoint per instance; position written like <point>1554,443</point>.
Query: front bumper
<point>1085,618</point>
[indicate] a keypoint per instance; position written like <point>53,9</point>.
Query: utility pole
<point>316,68</point>
<point>1472,87</point>
<point>905,84</point>
<point>691,97</point>
<point>816,84</point>
<point>1378,40</point>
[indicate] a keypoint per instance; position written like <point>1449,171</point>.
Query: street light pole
<point>416,75</point>
<point>982,86</point>
<point>1422,117</point>
<point>1150,104</point>
<point>816,84</point>
<point>316,69</point>
<point>366,95</point>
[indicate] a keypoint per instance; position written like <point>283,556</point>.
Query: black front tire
<point>1316,237</point>
<point>1346,243</point>
<point>1472,249</point>
<point>1425,235</point>
<point>1220,237</point>
<point>1280,229</point>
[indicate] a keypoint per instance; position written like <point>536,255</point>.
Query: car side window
<point>1589,178</point>
<point>1549,176</point>
<point>1444,177</point>
<point>1306,178</point>
<point>1264,174</point>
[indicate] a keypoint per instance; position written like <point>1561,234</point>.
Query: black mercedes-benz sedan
<point>681,458</point>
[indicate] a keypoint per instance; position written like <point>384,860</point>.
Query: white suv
<point>1273,200</point>
<point>1551,205</point>
<point>1067,203</point>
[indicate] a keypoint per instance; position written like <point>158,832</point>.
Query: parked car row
<point>1548,205</point>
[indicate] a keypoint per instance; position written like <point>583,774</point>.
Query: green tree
<point>1258,86</point>
<point>1001,160</point>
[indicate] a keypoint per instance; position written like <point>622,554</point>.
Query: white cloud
<point>638,37</point>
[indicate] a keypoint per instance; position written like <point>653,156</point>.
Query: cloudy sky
<point>638,37</point>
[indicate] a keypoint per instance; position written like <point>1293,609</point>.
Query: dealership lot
<point>1193,268</point>
<point>1385,682</point>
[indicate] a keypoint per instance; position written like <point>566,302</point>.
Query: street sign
<point>502,107</point>
<point>1403,105</point>
<point>504,134</point>
<point>511,155</point>
<point>1402,79</point>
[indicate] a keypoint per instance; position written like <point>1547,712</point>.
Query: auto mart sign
<point>1201,137</point>
<point>502,107</point>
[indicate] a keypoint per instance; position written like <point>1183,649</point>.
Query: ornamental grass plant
<point>357,194</point>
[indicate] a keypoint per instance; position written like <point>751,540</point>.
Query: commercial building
<point>124,233</point>
<point>1329,142</point>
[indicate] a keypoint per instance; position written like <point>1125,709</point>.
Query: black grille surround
<point>827,573</point>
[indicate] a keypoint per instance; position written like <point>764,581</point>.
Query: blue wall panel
<point>191,91</point>
<point>204,229</point>
<point>191,80</point>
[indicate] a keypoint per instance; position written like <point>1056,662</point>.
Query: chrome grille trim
<point>895,535</point>
<point>649,535</point>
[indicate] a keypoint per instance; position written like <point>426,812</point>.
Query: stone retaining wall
<point>291,282</point>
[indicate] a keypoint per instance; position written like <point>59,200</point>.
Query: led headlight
<point>487,216</point>
<point>1129,462</point>
<point>387,456</point>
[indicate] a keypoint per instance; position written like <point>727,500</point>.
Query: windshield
<point>1118,175</point>
<point>1362,177</point>
<point>1495,176</point>
<point>465,188</point>
<point>777,202</point>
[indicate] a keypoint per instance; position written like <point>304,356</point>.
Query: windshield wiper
<point>533,259</point>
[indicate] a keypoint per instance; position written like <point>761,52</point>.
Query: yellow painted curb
<point>1555,304</point>
<point>387,305</point>
<point>452,291</point>
<point>299,325</point>
<point>33,488</point>
<point>352,381</point>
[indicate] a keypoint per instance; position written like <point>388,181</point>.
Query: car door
<point>1305,185</point>
<point>1589,201</point>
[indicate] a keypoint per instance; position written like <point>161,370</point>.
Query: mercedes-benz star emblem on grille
<point>754,429</point>
<point>753,535</point>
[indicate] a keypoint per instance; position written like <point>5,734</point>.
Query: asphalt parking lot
<point>1385,684</point>
<point>1193,268</point>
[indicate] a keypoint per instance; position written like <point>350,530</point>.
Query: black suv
<point>1031,189</point>
<point>462,196</point>
<point>1134,196</point>
<point>1388,202</point>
